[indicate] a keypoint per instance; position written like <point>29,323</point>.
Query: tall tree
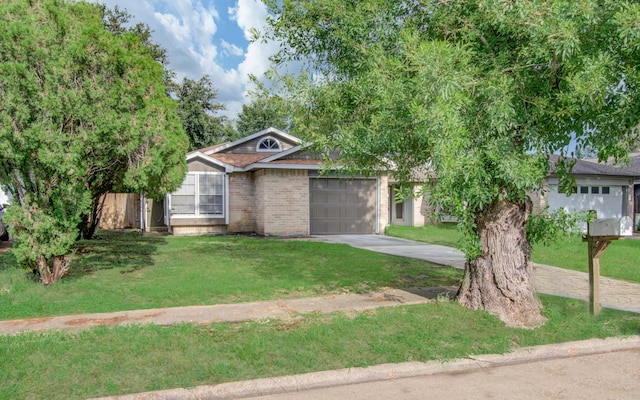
<point>79,104</point>
<point>197,108</point>
<point>104,180</point>
<point>480,92</point>
<point>262,113</point>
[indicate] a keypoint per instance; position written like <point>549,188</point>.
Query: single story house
<point>270,184</point>
<point>267,183</point>
<point>607,189</point>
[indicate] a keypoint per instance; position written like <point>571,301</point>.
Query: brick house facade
<point>261,184</point>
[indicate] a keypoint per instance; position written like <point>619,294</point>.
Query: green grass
<point>123,272</point>
<point>112,361</point>
<point>619,261</point>
<point>119,272</point>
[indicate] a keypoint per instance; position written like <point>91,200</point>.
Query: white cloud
<point>249,14</point>
<point>174,25</point>
<point>231,49</point>
<point>188,29</point>
<point>252,15</point>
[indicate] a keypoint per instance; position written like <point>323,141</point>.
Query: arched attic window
<point>268,144</point>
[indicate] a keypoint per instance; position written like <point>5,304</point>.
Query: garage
<point>342,206</point>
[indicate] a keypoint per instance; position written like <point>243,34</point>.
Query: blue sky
<point>208,37</point>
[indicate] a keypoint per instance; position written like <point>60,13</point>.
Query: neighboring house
<point>606,189</point>
<point>634,167</point>
<point>267,183</point>
<point>410,212</point>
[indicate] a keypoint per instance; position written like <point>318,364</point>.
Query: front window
<point>201,194</point>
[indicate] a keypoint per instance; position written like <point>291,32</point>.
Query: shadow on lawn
<point>128,251</point>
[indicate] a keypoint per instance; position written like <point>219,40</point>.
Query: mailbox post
<point>600,233</point>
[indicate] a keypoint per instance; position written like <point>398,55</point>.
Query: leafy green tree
<point>262,113</point>
<point>105,180</point>
<point>477,91</point>
<point>78,104</point>
<point>197,108</point>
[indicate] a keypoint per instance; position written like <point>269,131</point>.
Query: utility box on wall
<point>611,227</point>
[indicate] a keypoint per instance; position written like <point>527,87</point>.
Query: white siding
<point>606,205</point>
<point>3,197</point>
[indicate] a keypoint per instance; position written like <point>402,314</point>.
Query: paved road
<point>590,369</point>
<point>614,375</point>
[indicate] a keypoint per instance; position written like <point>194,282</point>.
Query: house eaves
<point>285,153</point>
<point>196,155</point>
<point>293,165</point>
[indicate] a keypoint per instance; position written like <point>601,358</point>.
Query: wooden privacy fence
<point>120,211</point>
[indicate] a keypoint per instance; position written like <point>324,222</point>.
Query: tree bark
<point>90,221</point>
<point>500,279</point>
<point>53,269</point>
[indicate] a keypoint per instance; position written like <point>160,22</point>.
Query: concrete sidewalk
<point>225,312</point>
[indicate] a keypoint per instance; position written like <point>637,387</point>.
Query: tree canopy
<point>261,113</point>
<point>477,93</point>
<point>197,108</point>
<point>79,105</point>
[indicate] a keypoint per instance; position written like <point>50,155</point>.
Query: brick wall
<point>241,202</point>
<point>282,202</point>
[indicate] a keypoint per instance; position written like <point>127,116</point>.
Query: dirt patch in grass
<point>5,246</point>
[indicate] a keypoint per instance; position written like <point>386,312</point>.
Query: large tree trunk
<point>53,269</point>
<point>500,280</point>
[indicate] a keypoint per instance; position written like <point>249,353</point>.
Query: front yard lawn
<point>119,272</point>
<point>619,261</point>
<point>121,360</point>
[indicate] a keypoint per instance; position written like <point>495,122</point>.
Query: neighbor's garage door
<point>342,206</point>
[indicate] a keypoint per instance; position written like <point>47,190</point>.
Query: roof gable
<point>248,144</point>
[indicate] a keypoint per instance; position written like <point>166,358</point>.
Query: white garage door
<point>608,201</point>
<point>342,206</point>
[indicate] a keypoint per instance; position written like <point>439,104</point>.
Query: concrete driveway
<point>400,247</point>
<point>614,293</point>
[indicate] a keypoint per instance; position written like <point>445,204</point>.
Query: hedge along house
<point>268,184</point>
<point>606,189</point>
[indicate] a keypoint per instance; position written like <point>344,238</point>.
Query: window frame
<point>268,150</point>
<point>198,195</point>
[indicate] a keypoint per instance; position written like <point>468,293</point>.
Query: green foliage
<point>265,111</point>
<point>197,108</point>
<point>81,109</point>
<point>477,93</point>
<point>548,226</point>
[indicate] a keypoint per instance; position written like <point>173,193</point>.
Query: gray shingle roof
<point>583,167</point>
